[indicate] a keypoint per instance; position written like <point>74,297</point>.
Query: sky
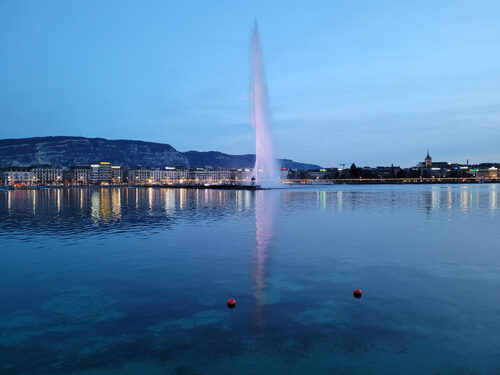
<point>369,82</point>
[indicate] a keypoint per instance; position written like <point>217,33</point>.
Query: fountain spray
<point>266,168</point>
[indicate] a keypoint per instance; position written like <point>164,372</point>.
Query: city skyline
<point>41,143</point>
<point>360,82</point>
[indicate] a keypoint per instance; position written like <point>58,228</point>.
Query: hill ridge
<point>66,151</point>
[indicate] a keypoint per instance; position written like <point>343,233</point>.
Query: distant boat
<point>20,186</point>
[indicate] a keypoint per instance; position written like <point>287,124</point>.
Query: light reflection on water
<point>106,204</point>
<point>68,211</point>
<point>134,280</point>
<point>265,206</point>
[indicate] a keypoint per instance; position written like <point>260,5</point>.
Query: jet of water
<point>266,168</point>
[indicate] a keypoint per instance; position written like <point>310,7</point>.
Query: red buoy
<point>357,293</point>
<point>231,303</point>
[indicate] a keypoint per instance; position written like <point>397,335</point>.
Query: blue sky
<point>370,82</point>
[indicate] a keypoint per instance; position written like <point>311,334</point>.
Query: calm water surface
<point>135,281</point>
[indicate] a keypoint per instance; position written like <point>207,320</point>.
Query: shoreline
<point>201,187</point>
<point>258,187</point>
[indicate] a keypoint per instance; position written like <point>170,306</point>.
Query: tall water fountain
<point>266,168</point>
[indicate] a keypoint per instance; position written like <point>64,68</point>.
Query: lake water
<point>135,281</point>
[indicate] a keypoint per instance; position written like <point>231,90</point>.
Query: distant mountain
<point>221,160</point>
<point>67,151</point>
<point>290,164</point>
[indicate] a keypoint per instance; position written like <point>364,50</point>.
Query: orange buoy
<point>231,303</point>
<point>357,293</point>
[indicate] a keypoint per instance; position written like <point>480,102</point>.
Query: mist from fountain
<point>266,168</point>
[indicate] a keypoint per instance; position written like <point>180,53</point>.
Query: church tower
<point>428,160</point>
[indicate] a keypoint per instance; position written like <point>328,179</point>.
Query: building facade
<point>47,175</point>
<point>429,168</point>
<point>104,173</point>
<point>486,171</point>
<point>139,175</point>
<point>221,176</point>
<point>17,175</point>
<point>168,175</point>
<point>79,175</point>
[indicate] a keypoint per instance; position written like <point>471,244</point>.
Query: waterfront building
<point>486,171</point>
<point>220,176</point>
<point>245,174</point>
<point>45,175</point>
<point>168,175</point>
<point>104,173</point>
<point>387,172</point>
<point>79,175</point>
<point>203,175</point>
<point>369,172</point>
<point>116,174</point>
<point>171,174</point>
<point>158,176</point>
<point>493,173</point>
<point>428,168</point>
<point>139,175</point>
<point>317,174</point>
<point>17,175</point>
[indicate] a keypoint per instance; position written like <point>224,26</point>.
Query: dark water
<point>135,281</point>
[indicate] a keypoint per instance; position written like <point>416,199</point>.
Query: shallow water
<point>135,281</point>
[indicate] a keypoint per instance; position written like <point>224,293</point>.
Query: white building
<point>168,175</point>
<point>139,175</point>
<point>202,175</point>
<point>17,175</point>
<point>222,176</point>
<point>45,175</point>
